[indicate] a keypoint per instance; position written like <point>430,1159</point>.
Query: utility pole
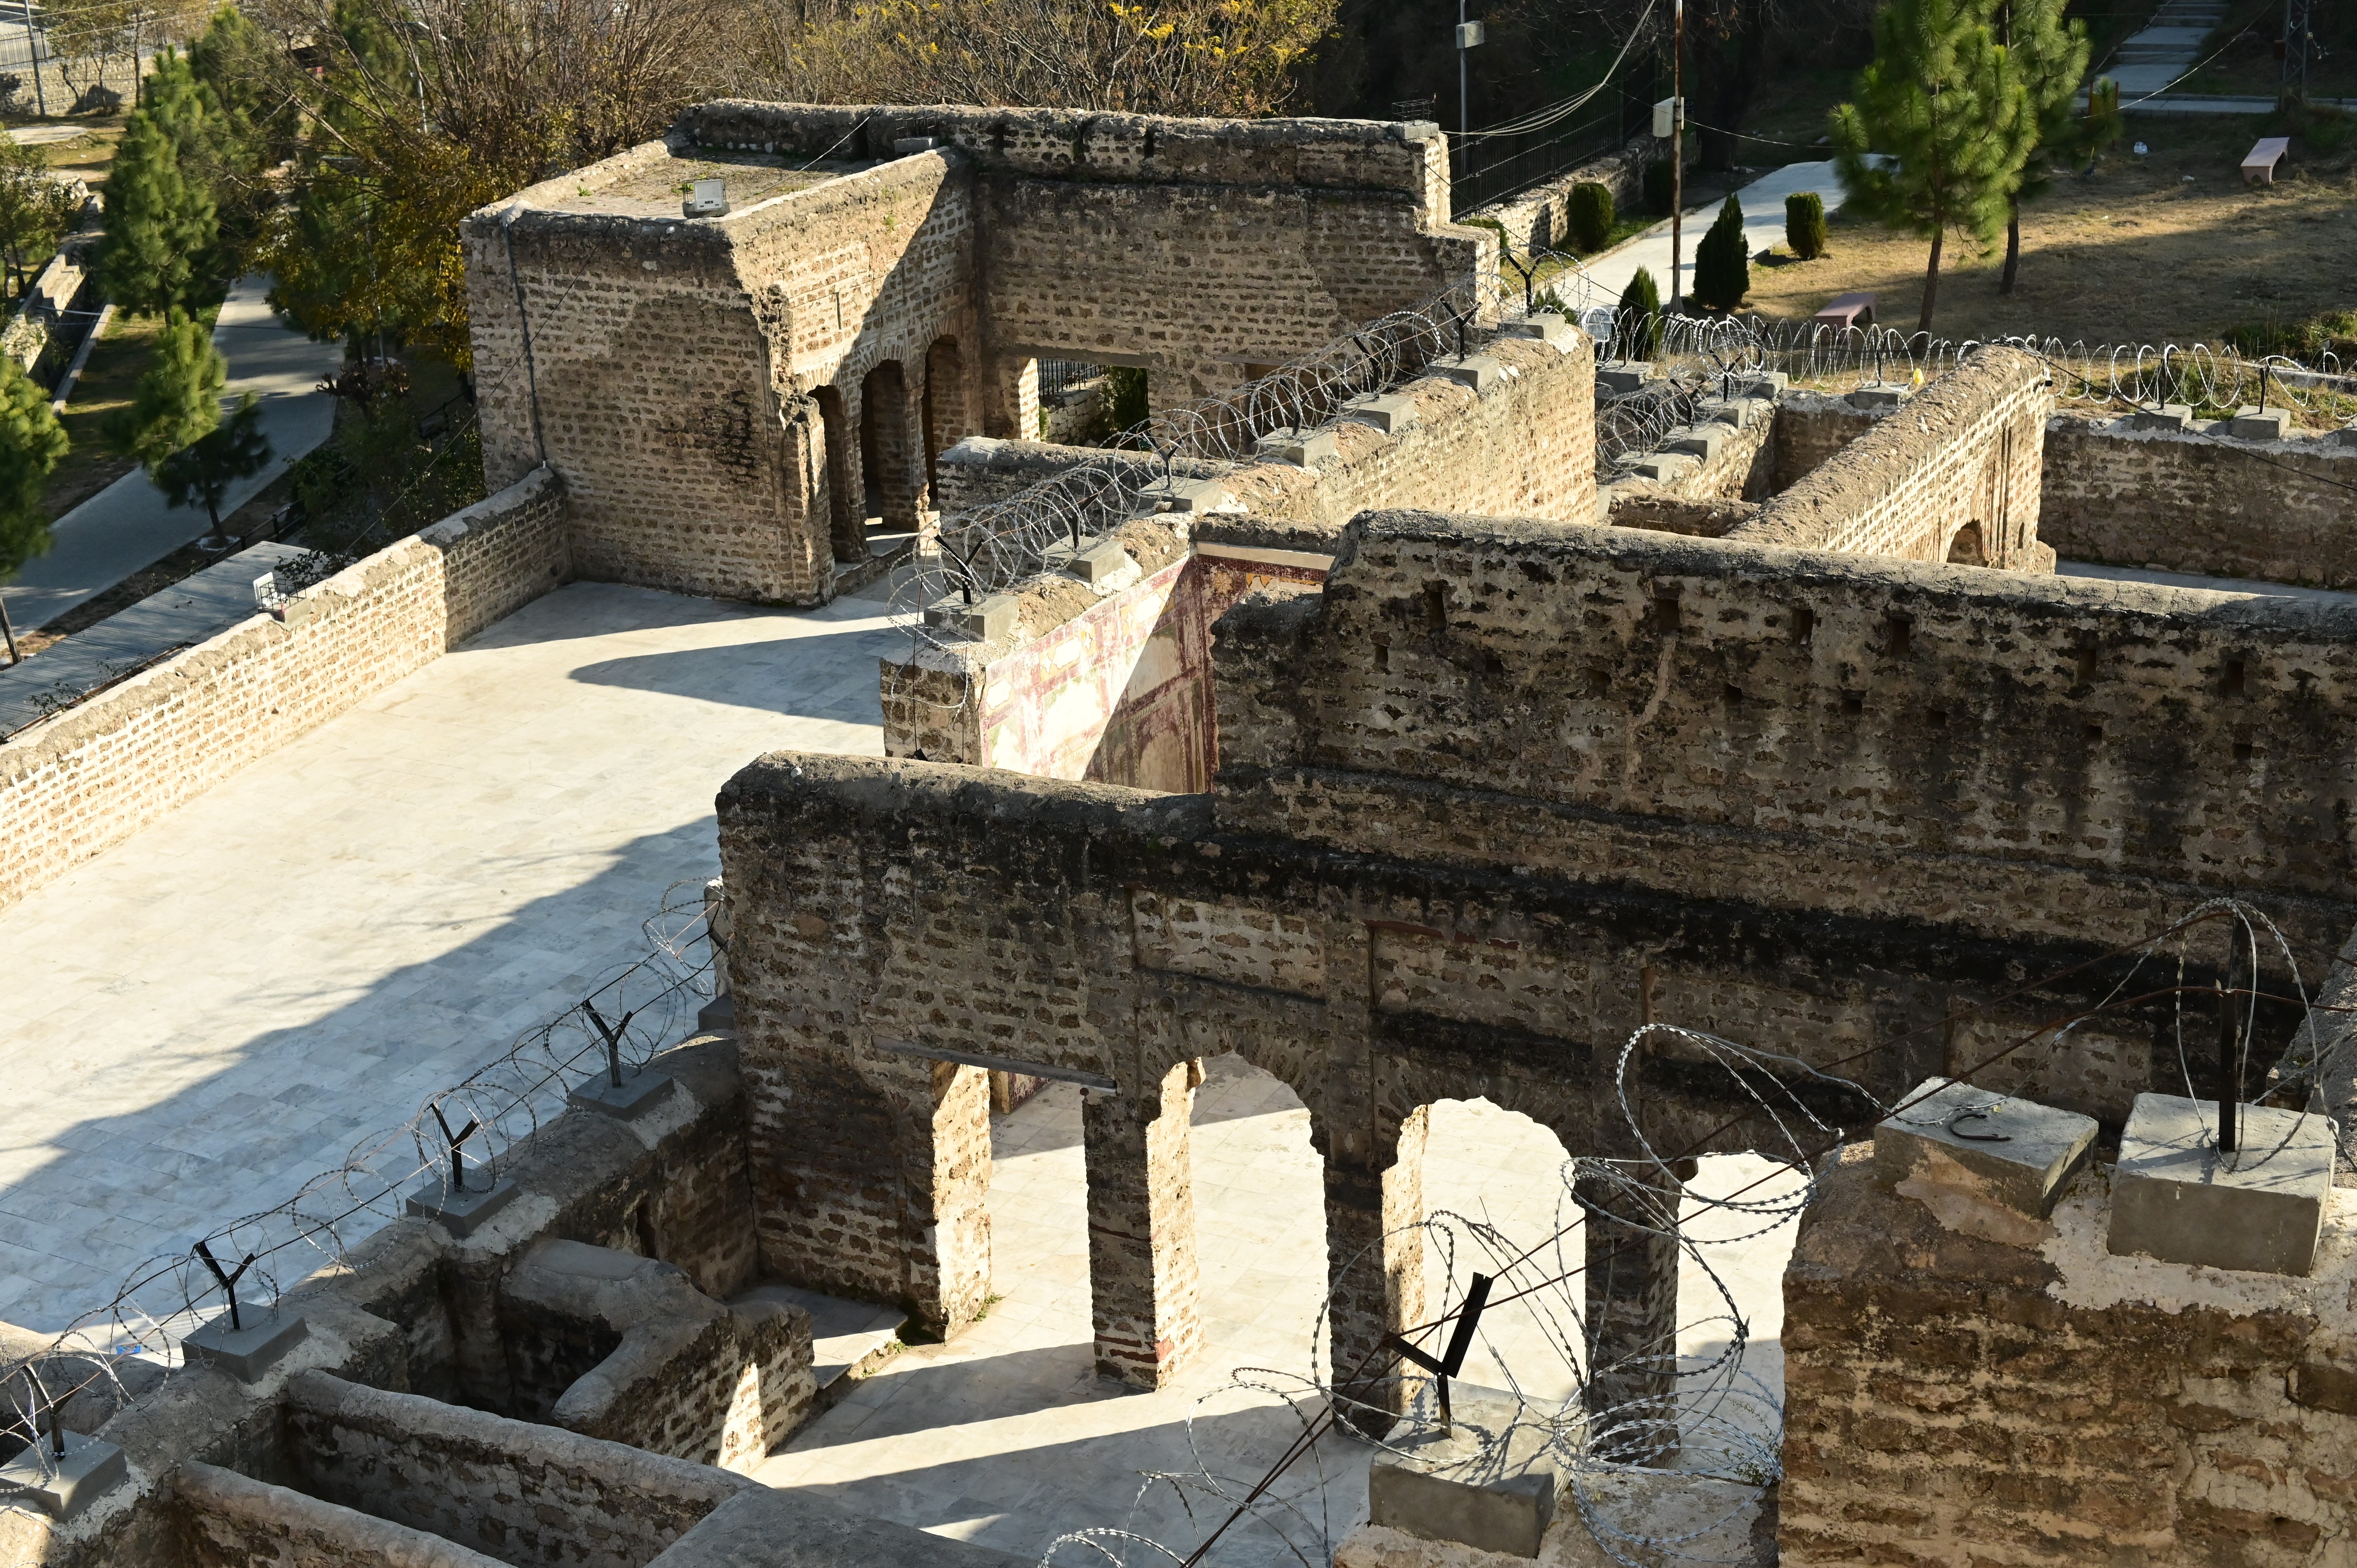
<point>2295,52</point>
<point>1677,156</point>
<point>33,47</point>
<point>1469,34</point>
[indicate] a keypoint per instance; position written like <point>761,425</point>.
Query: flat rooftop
<point>656,190</point>
<point>215,1011</point>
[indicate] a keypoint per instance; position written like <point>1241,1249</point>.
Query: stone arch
<point>891,466</point>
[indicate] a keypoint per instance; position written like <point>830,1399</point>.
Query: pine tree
<point>160,220</point>
<point>178,401</point>
<point>32,444</point>
<point>1640,316</point>
<point>251,109</point>
<point>2051,55</point>
<point>202,472</point>
<point>1723,260</point>
<point>1944,103</point>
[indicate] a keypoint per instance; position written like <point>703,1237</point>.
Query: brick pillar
<point>1011,399</point>
<point>1143,1281</point>
<point>945,1183</point>
<point>810,521</point>
<point>836,497</point>
<point>1633,1306</point>
<point>906,470</point>
<point>1374,1264</point>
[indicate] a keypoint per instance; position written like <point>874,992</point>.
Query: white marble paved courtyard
<point>1006,1436</point>
<point>217,1009</point>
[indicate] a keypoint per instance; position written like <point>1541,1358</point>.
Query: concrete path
<point>2168,49</point>
<point>2254,587</point>
<point>1006,1436</point>
<point>218,1009</point>
<point>1763,225</point>
<point>126,526</point>
<point>41,136</point>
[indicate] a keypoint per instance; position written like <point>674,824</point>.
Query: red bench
<point>2259,163</point>
<point>1847,310</point>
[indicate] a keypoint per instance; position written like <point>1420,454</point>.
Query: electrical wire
<point>1541,119</point>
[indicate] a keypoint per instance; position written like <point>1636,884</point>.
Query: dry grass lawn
<point>2170,248</point>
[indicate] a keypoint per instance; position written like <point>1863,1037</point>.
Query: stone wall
<point>535,1496</point>
<point>1954,475</point>
<point>666,368</point>
<point>1963,1403</point>
<point>2200,502</point>
<point>233,1522</point>
<point>1195,248</point>
<point>2039,758</point>
<point>77,785</point>
<point>1538,218</point>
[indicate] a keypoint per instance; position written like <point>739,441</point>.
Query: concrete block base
<point>1098,563</point>
<point>1702,440</point>
<point>1623,378</point>
<point>1390,413</point>
<point>64,1487</point>
<point>1546,327</point>
<point>2261,424</point>
<point>637,1092</point>
<point>1433,1488</point>
<point>1182,495</point>
<point>245,1353</point>
<point>1950,1136</point>
<point>1478,372</point>
<point>1879,397</point>
<point>2176,1197</point>
<point>1303,449</point>
<point>987,619</point>
<point>463,1212</point>
<point>2167,416</point>
<point>718,1014</point>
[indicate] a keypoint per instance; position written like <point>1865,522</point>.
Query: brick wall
<point>670,365</point>
<point>233,1522</point>
<point>74,787</point>
<point>535,1496</point>
<point>1962,453</point>
<point>1953,1402</point>
<point>1539,219</point>
<point>2079,757</point>
<point>2187,501</point>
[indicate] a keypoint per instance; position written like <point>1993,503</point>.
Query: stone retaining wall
<point>233,1522</point>
<point>79,784</point>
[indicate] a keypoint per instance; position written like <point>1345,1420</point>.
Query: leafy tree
<point>1124,398</point>
<point>36,208</point>
<point>202,472</point>
<point>161,226</point>
<point>243,69</point>
<point>1723,260</point>
<point>2052,56</point>
<point>177,400</point>
<point>32,444</point>
<point>1945,101</point>
<point>1804,224</point>
<point>1589,216</point>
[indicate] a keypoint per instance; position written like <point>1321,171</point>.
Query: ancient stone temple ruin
<point>1704,761</point>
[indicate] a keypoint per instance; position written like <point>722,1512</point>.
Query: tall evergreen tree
<point>32,444</point>
<point>1944,104</point>
<point>1723,260</point>
<point>2051,55</point>
<point>1640,316</point>
<point>161,226</point>
<point>200,473</point>
<point>243,77</point>
<point>177,400</point>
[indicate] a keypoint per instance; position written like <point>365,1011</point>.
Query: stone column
<point>1143,1281</point>
<point>1374,1263</point>
<point>1633,1306</point>
<point>1011,399</point>
<point>948,1185</point>
<point>900,459</point>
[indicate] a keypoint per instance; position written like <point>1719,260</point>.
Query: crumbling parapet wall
<point>2031,757</point>
<point>1957,1402</point>
<point>77,784</point>
<point>233,1522</point>
<point>537,1495</point>
<point>1952,476</point>
<point>1193,248</point>
<point>2202,502</point>
<point>666,367</point>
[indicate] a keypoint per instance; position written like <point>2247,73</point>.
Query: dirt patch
<point>2170,248</point>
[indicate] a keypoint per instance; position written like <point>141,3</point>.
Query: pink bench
<point>1847,310</point>
<point>2259,163</point>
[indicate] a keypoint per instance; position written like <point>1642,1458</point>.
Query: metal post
<point>1677,155</point>
<point>10,632</point>
<point>33,47</point>
<point>1464,98</point>
<point>2296,52</point>
<point>2230,1040</point>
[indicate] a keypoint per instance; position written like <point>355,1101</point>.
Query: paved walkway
<point>2256,587</point>
<point>1763,225</point>
<point>1006,1436</point>
<point>215,1011</point>
<point>125,526</point>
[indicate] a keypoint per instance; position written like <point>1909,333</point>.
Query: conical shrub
<point>1588,215</point>
<point>1722,261</point>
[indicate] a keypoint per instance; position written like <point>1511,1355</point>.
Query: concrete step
<point>849,1339</point>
